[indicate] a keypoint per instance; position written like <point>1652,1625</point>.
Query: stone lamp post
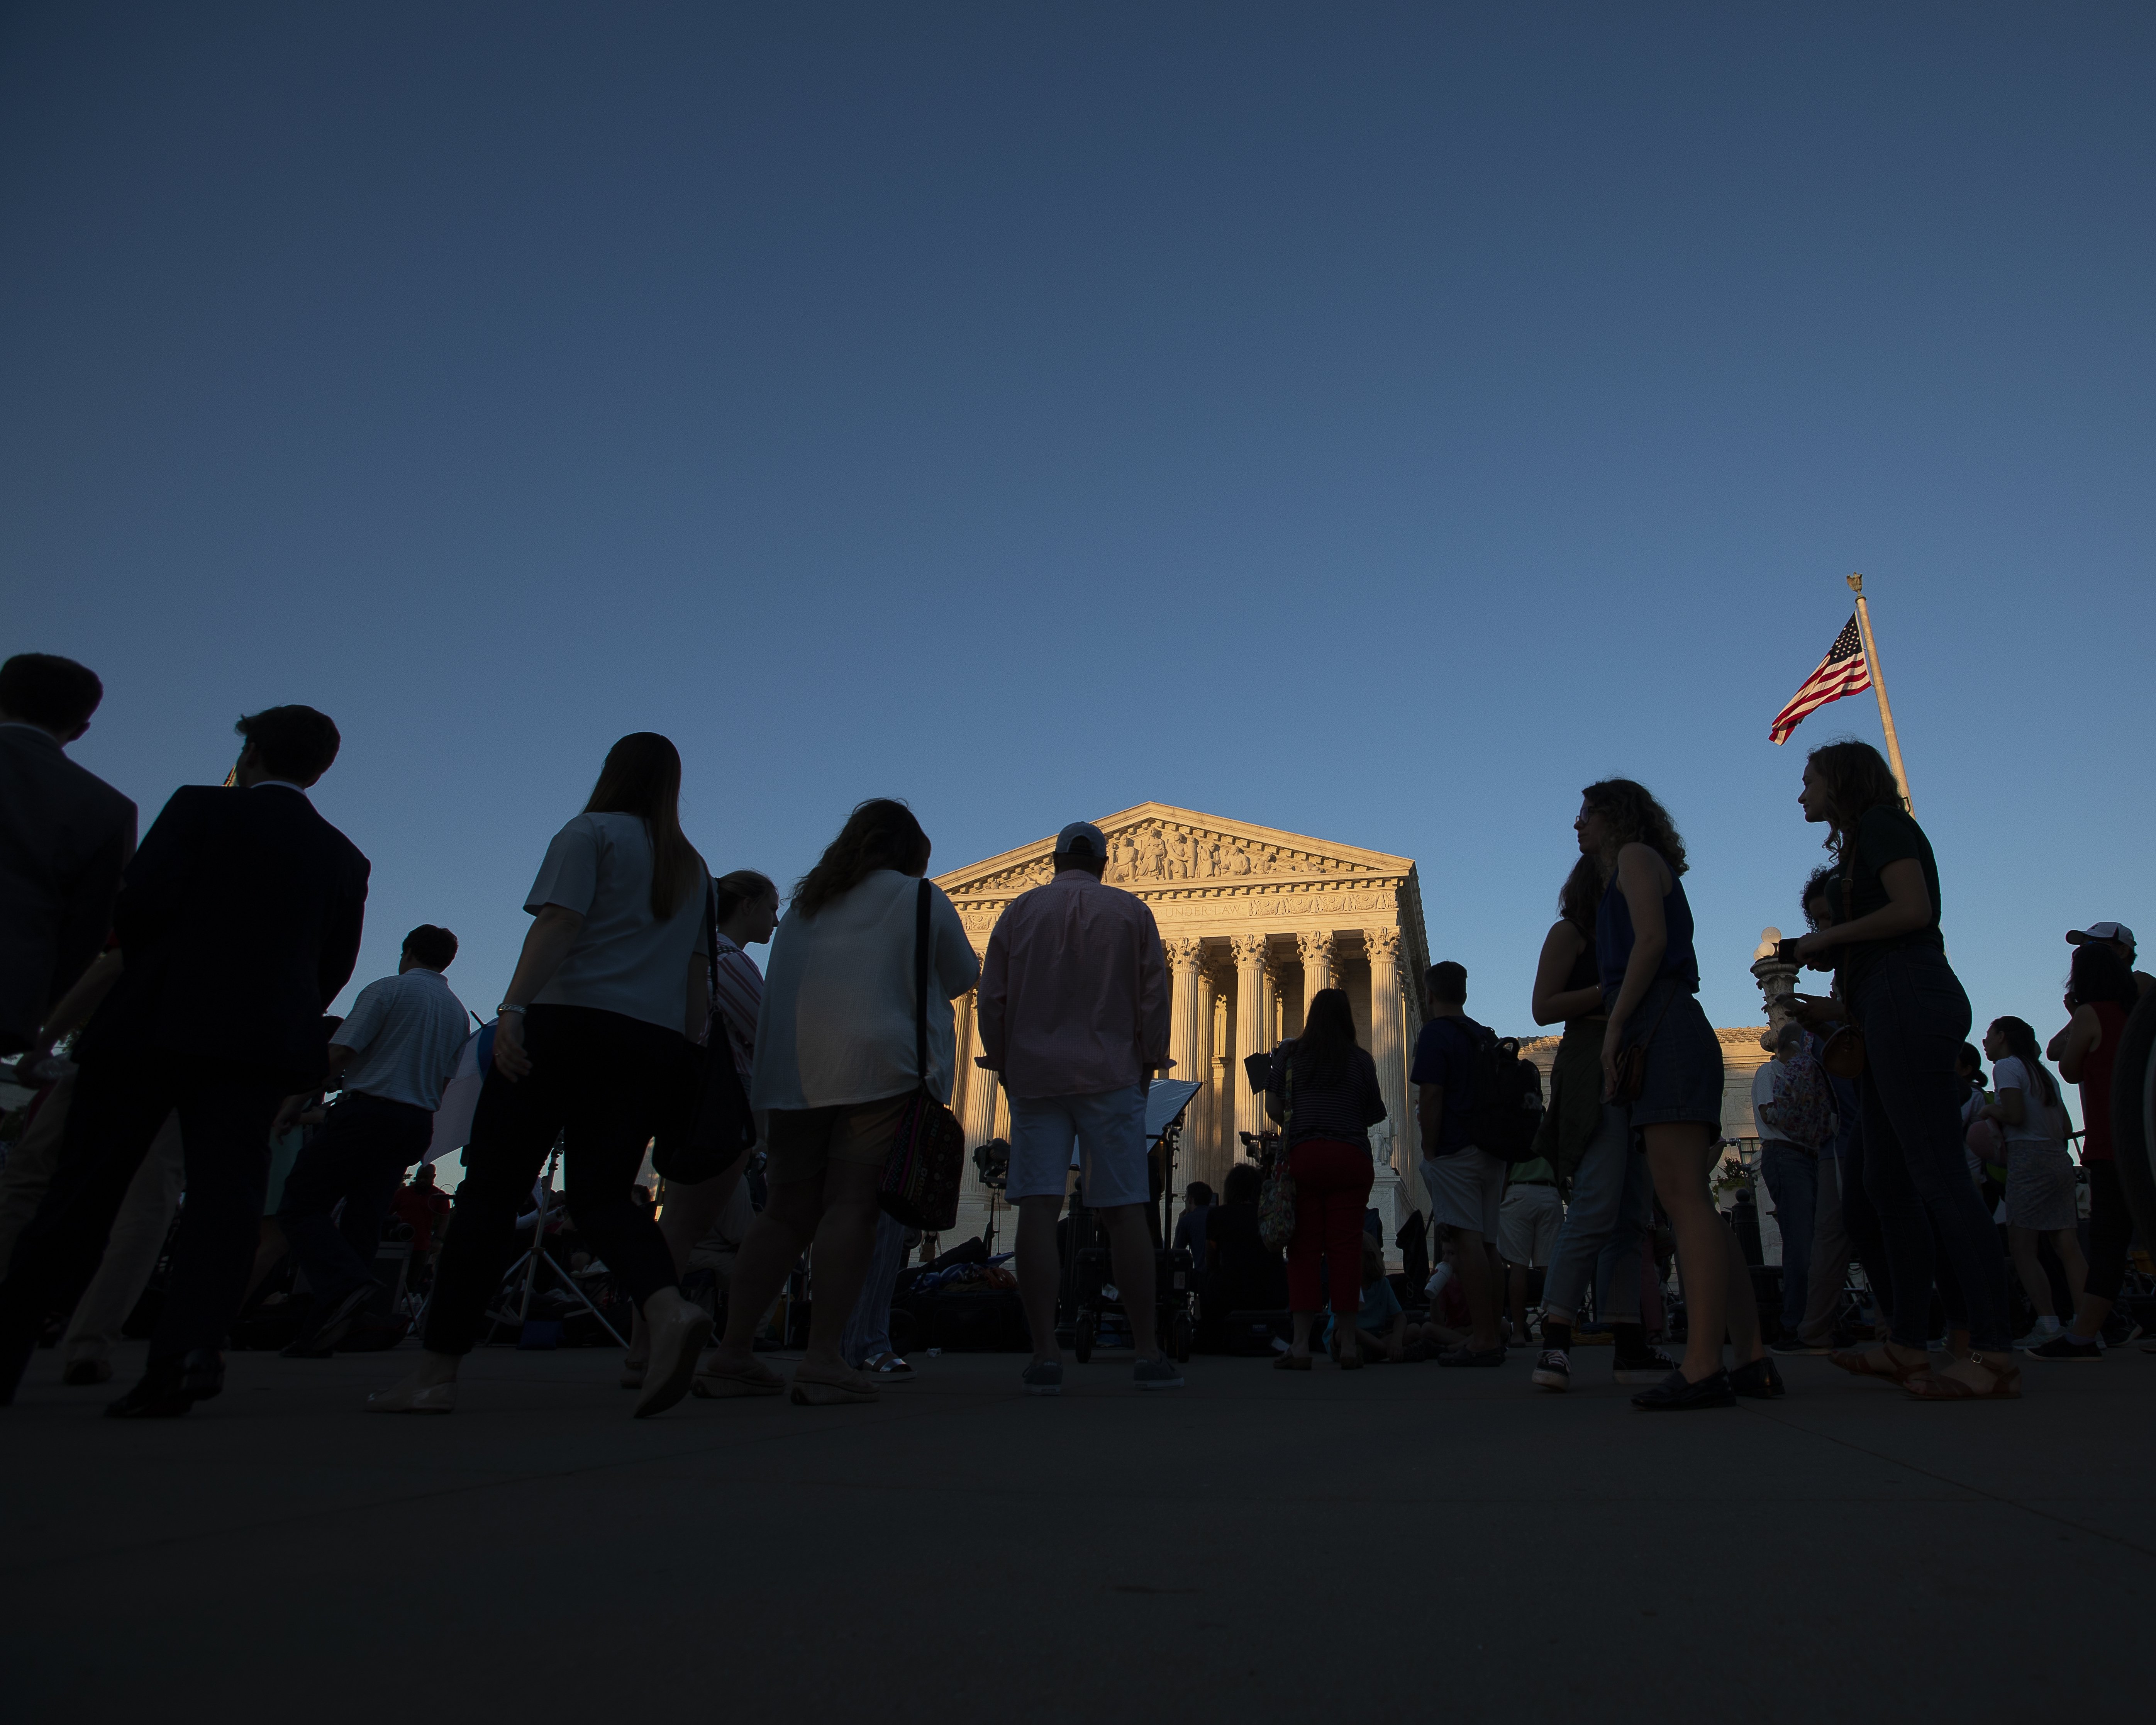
<point>1777,981</point>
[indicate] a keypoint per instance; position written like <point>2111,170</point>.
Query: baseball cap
<point>2100,932</point>
<point>1085,833</point>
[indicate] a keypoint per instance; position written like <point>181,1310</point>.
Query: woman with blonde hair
<point>836,1064</point>
<point>1660,1058</point>
<point>587,1047</point>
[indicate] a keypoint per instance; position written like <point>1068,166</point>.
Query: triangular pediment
<point>1157,847</point>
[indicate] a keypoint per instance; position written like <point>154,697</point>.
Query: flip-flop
<point>813,1389</point>
<point>716,1383</point>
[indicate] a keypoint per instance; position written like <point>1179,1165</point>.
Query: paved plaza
<point>1409,1544</point>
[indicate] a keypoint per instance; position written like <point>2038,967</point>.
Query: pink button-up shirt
<point>1074,990</point>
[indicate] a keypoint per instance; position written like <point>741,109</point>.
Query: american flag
<point>1842,672</point>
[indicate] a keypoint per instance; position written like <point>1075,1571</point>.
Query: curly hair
<point>1822,882</point>
<point>880,833</point>
<point>1857,779</point>
<point>1635,818</point>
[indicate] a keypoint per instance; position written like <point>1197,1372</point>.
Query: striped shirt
<point>735,1000</point>
<point>1340,1113</point>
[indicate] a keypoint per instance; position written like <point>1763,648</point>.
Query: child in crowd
<point>1381,1326</point>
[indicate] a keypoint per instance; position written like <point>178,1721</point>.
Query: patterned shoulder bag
<point>926,1160</point>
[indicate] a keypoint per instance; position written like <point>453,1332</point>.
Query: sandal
<point>1878,1362</point>
<point>1290,1362</point>
<point>888,1365</point>
<point>1937,1387</point>
<point>715,1382</point>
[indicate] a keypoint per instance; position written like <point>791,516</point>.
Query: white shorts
<point>1466,1189</point>
<point>1106,1128</point>
<point>1527,1225</point>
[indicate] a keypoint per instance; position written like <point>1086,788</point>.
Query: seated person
<point>1381,1326</point>
<point>1241,1276</point>
<point>1449,1323</point>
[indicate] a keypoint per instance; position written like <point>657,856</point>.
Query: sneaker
<point>2037,1337</point>
<point>2066,1347</point>
<point>1162,1374</point>
<point>1649,1367</point>
<point>1675,1395</point>
<point>1044,1376</point>
<point>1553,1370</point>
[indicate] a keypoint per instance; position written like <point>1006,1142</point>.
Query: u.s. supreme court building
<point>1255,922</point>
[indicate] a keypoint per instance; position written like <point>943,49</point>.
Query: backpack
<point>1506,1112</point>
<point>1802,1106</point>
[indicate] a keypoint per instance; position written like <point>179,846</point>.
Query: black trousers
<point>119,1103</point>
<point>2111,1230</point>
<point>600,1079</point>
<point>358,1159</point>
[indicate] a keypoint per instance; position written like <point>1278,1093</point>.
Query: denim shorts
<point>1107,1131</point>
<point>1684,1059</point>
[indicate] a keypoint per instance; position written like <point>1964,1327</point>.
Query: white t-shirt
<point>1763,1092</point>
<point>2038,1119</point>
<point>624,960</point>
<point>836,1025</point>
<point>405,1033</point>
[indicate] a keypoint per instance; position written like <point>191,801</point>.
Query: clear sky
<point>1375,421</point>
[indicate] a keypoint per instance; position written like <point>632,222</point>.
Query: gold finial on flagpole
<point>1879,689</point>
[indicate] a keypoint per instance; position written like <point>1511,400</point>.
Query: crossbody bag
<point>927,1160</point>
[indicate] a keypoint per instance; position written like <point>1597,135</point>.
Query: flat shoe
<point>1289,1362</point>
<point>720,1382</point>
<point>676,1345</point>
<point>1758,1377</point>
<point>414,1398</point>
<point>1677,1394</point>
<point>815,1390</point>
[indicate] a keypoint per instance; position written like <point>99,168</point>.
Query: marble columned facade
<point>1255,922</point>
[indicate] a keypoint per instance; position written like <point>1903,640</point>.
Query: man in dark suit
<point>65,836</point>
<point>239,921</point>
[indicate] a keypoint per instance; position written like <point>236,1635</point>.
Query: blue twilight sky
<point>1376,422</point>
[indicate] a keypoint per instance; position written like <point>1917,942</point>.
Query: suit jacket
<point>239,921</point>
<point>65,836</point>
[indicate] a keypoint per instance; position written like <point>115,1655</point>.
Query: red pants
<point>1333,1184</point>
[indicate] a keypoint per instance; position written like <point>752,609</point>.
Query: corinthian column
<point>1251,1007</point>
<point>1383,946</point>
<point>1197,1157</point>
<point>981,1086</point>
<point>1184,953</point>
<point>1317,951</point>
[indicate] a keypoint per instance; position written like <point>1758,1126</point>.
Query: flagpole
<point>1879,689</point>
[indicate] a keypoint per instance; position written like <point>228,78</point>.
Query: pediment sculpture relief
<point>1156,854</point>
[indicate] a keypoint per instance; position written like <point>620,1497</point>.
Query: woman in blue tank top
<point>1650,978</point>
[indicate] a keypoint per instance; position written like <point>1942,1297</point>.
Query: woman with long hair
<point>587,1046</point>
<point>1324,1090</point>
<point>745,909</point>
<point>835,1066</point>
<point>1588,1142</point>
<point>1895,985</point>
<point>2101,995</point>
<point>1650,978</point>
<point>2040,1194</point>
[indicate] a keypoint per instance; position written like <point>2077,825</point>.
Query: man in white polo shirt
<point>1074,1016</point>
<point>396,1052</point>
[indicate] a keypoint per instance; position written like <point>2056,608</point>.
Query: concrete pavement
<point>1406,1543</point>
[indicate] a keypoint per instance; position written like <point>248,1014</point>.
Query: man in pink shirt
<point>1074,1016</point>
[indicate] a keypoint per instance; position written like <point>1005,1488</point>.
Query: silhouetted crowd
<point>166,1004</point>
